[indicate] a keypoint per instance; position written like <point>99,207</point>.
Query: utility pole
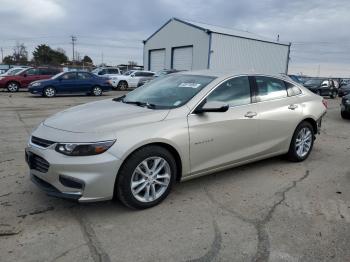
<point>74,39</point>
<point>102,57</point>
<point>2,55</point>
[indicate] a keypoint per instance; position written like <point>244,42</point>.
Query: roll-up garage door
<point>157,60</point>
<point>182,58</point>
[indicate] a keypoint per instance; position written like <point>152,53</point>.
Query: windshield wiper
<point>138,103</point>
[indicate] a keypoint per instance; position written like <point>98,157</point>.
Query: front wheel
<point>302,142</point>
<point>123,85</point>
<point>13,87</point>
<point>97,91</point>
<point>49,92</point>
<point>146,178</point>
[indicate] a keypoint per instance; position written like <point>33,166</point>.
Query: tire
<point>123,85</point>
<point>128,173</point>
<point>345,115</point>
<point>96,91</point>
<point>333,94</point>
<point>13,87</point>
<point>295,155</point>
<point>49,92</point>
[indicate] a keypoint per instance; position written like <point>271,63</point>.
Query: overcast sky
<point>318,29</point>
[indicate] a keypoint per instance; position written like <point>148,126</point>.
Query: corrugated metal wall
<point>229,52</point>
<point>176,34</point>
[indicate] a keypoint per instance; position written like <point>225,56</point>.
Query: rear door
<point>84,82</point>
<point>220,139</point>
<point>279,113</point>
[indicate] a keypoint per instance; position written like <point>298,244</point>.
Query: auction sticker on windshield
<point>190,85</point>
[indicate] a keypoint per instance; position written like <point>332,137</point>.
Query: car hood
<point>103,116</point>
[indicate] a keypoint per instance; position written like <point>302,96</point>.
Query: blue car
<point>69,83</point>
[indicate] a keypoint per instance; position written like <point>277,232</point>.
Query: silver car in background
<point>174,128</point>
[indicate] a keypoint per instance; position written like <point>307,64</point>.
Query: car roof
<point>227,73</point>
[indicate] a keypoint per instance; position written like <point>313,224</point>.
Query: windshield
<point>314,82</point>
<point>58,75</point>
<point>95,71</point>
<point>169,91</point>
<point>128,73</point>
<point>21,71</point>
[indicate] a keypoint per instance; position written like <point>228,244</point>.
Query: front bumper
<point>86,179</point>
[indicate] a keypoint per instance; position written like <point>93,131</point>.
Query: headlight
<point>83,149</point>
<point>36,84</point>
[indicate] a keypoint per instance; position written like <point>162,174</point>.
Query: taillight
<point>325,103</point>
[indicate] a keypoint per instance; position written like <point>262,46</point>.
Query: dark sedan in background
<point>344,90</point>
<point>69,83</point>
<point>322,87</point>
<point>345,107</point>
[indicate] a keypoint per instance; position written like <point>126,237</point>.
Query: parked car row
<point>323,87</point>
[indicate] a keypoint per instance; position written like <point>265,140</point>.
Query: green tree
<point>43,54</point>
<point>87,60</point>
<point>8,60</point>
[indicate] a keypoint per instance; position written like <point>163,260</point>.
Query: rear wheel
<point>302,142</point>
<point>13,87</point>
<point>123,85</point>
<point>97,91</point>
<point>146,178</point>
<point>49,92</point>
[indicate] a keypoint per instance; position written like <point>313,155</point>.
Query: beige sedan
<point>174,128</point>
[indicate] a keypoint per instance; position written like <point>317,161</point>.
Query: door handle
<point>250,114</point>
<point>292,107</point>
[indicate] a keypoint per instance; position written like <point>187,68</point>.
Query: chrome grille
<point>41,142</point>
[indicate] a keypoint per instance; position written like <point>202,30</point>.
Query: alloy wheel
<point>97,91</point>
<point>12,87</point>
<point>49,92</point>
<point>303,142</point>
<point>150,179</point>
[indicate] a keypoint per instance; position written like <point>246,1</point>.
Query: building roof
<point>220,30</point>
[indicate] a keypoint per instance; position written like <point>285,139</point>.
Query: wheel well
<point>172,150</point>
<point>313,123</point>
<point>14,81</point>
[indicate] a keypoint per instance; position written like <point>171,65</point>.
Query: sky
<point>112,31</point>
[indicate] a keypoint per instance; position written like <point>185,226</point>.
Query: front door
<point>220,139</point>
<point>68,83</point>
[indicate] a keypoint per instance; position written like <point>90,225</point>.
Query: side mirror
<point>211,107</point>
<point>132,75</point>
<point>24,75</point>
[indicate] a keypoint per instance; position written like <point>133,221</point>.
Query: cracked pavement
<point>272,210</point>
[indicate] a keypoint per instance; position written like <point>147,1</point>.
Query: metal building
<point>186,45</point>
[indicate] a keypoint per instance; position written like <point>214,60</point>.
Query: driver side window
<point>235,92</point>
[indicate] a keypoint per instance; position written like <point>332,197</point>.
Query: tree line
<point>42,55</point>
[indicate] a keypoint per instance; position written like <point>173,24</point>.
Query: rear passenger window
<point>270,88</point>
<point>292,90</point>
<point>235,92</point>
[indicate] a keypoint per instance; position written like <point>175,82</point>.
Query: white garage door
<point>182,58</point>
<point>157,60</point>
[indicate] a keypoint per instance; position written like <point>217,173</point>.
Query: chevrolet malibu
<point>174,128</point>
